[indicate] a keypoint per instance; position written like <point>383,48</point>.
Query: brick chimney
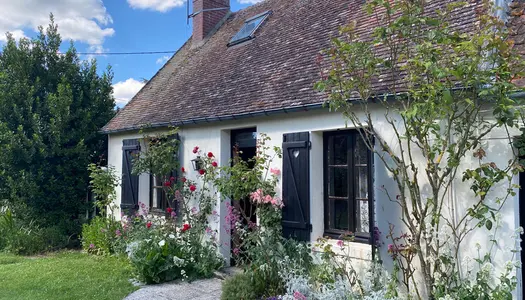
<point>207,15</point>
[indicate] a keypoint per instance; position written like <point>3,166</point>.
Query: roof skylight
<point>250,26</point>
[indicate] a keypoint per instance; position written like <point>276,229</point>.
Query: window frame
<point>251,36</point>
<point>351,167</point>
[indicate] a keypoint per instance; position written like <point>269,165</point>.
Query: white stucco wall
<point>215,137</point>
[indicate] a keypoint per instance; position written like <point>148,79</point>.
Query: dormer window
<point>248,30</point>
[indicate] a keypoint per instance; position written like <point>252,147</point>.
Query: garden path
<point>206,289</point>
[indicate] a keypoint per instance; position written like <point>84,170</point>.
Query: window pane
<point>338,182</point>
<point>361,151</point>
<point>362,217</point>
<point>340,152</point>
<point>361,189</point>
<point>340,215</point>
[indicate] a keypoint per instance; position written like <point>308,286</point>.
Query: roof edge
<point>259,113</point>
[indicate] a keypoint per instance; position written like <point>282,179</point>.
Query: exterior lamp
<point>197,163</point>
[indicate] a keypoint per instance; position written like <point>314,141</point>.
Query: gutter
<point>260,113</point>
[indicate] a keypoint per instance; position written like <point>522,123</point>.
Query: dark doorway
<point>243,148</point>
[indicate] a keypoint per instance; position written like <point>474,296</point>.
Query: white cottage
<point>252,72</point>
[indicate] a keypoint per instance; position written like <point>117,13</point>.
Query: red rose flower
<point>172,179</point>
<point>148,225</point>
<point>183,179</point>
<point>167,183</point>
<point>214,164</point>
<point>201,171</point>
<point>183,170</point>
<point>169,210</point>
<point>193,188</point>
<point>196,149</point>
<point>186,227</point>
<point>210,155</point>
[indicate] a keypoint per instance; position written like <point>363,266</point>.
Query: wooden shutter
<point>130,183</point>
<point>296,186</point>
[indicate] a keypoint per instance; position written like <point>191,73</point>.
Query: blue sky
<point>110,26</point>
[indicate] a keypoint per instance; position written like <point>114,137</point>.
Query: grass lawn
<point>65,275</point>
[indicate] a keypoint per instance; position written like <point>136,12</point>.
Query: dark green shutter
<point>130,183</point>
<point>296,186</point>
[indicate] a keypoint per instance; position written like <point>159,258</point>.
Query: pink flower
<point>183,179</point>
<point>196,149</point>
<point>193,188</point>
<point>257,196</point>
<point>340,243</point>
<point>236,251</point>
<point>118,233</point>
<point>275,172</point>
<point>167,183</point>
<point>268,199</point>
<point>173,214</point>
<point>172,179</point>
<point>91,246</point>
<point>208,230</point>
<point>299,296</point>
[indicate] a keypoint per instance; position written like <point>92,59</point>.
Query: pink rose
<point>275,172</point>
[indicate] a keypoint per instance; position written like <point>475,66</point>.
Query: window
<point>158,199</point>
<point>247,31</point>
<point>347,182</point>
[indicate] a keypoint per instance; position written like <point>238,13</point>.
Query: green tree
<point>52,106</point>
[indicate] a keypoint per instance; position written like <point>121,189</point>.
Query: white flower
<point>162,243</point>
<point>171,236</point>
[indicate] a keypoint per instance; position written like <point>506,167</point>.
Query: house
<point>251,72</point>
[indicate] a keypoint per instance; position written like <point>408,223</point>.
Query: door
<point>243,147</point>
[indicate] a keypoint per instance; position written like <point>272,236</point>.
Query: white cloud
<point>158,5</point>
<point>79,20</point>
<point>162,60</point>
<point>17,34</point>
<point>123,91</point>
<point>249,1</point>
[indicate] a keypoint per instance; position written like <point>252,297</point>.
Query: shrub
<point>19,236</point>
<point>166,256</point>
<point>243,286</point>
<point>100,236</point>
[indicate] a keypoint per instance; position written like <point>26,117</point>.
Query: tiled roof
<point>275,70</point>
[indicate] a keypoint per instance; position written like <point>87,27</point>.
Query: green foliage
<point>19,238</point>
<point>52,105</point>
<point>100,236</point>
<point>448,91</point>
<point>159,252</point>
<point>104,182</point>
<point>243,287</point>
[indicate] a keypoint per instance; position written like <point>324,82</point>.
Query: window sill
<point>357,239</point>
